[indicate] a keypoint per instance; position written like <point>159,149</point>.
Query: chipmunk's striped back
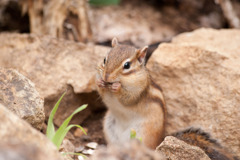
<point>156,96</point>
<point>197,137</point>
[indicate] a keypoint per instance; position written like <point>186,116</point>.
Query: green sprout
<point>133,135</point>
<point>58,136</point>
<point>103,2</point>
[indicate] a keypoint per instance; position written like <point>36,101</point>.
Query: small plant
<point>57,136</point>
<point>103,2</point>
<point>133,135</point>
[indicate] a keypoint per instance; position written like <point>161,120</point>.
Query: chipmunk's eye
<point>127,65</point>
<point>104,61</point>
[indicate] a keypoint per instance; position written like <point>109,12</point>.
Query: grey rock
<point>173,148</point>
<point>21,141</point>
<point>20,96</point>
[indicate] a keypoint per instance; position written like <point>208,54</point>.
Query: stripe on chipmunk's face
<point>135,63</point>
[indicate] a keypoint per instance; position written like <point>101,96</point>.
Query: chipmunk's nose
<point>109,77</point>
<point>106,77</point>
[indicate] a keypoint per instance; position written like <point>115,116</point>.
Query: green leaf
<point>104,2</point>
<point>60,136</point>
<point>50,127</point>
<point>64,125</point>
<point>132,134</point>
<point>140,139</point>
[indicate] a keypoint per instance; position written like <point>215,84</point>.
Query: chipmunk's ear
<point>141,54</point>
<point>114,42</point>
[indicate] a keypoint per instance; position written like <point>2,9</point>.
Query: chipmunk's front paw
<point>116,87</point>
<point>100,83</point>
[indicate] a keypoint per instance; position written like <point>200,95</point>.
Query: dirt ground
<point>94,127</point>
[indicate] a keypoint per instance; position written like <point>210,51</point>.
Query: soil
<point>95,130</point>
<point>94,127</point>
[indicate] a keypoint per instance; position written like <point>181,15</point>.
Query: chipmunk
<point>133,100</point>
<point>197,137</point>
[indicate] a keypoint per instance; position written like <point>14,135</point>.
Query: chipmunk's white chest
<point>120,120</point>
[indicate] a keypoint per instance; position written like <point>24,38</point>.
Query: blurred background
<point>135,22</point>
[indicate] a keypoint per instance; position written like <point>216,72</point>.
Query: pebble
<point>80,158</point>
<point>88,151</point>
<point>92,145</point>
<point>79,149</point>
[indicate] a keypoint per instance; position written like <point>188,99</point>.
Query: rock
<point>67,147</point>
<point>88,151</point>
<point>128,22</point>
<point>173,148</point>
<point>89,148</point>
<point>132,150</point>
<point>79,149</point>
<point>212,40</point>
<point>20,141</point>
<point>81,157</point>
<point>199,74</point>
<point>17,151</point>
<point>19,95</point>
<point>92,145</point>
<point>54,66</point>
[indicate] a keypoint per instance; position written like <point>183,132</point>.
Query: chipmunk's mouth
<point>110,83</point>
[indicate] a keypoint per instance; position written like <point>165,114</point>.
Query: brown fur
<point>117,55</point>
<point>155,101</point>
<point>139,97</point>
<point>197,137</point>
<point>156,86</point>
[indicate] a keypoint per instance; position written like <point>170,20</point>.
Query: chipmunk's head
<point>124,64</point>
